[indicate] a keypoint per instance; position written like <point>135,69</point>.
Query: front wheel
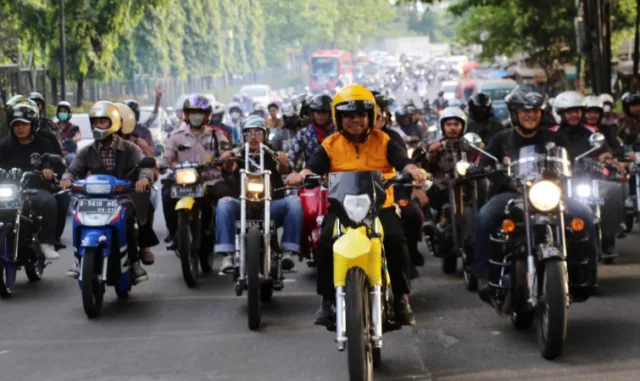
<point>553,310</point>
<point>34,269</point>
<point>92,286</point>
<point>188,254</point>
<point>358,326</point>
<point>253,255</point>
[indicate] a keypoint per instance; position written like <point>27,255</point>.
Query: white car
<point>449,90</point>
<point>259,93</point>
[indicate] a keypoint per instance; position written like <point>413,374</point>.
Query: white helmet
<point>565,101</point>
<point>593,101</point>
<point>606,98</point>
<point>217,108</point>
<point>453,113</point>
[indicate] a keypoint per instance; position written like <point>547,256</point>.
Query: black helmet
<point>409,108</point>
<point>135,107</point>
<point>480,106</point>
<point>629,99</point>
<point>37,97</point>
<point>24,112</point>
<point>523,98</point>
<point>320,103</point>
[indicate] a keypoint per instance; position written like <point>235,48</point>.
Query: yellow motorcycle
<point>364,300</point>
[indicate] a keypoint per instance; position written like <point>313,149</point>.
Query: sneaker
<point>74,271</point>
<point>49,251</point>
<point>59,245</point>
<point>173,245</point>
<point>227,265</point>
<point>326,315</point>
<point>147,256</point>
<point>404,313</point>
<point>287,263</point>
<point>139,274</point>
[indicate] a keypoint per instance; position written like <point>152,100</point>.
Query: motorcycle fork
<point>531,260</point>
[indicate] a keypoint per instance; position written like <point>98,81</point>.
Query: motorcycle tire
<point>189,258</point>
<point>253,256</point>
<point>34,269</point>
<point>92,287</point>
<point>553,310</point>
<point>358,326</point>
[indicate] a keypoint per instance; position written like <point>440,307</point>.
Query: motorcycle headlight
<point>583,190</point>
<point>410,152</point>
<point>461,167</point>
<point>8,192</point>
<point>545,195</point>
<point>357,207</point>
<point>186,176</point>
<point>255,187</point>
<point>98,188</point>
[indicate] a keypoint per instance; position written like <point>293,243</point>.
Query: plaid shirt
<point>108,154</point>
<point>304,145</point>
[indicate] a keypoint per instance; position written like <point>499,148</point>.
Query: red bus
<point>330,69</point>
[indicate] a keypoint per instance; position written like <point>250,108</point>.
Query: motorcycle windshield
<point>535,160</point>
<point>370,183</point>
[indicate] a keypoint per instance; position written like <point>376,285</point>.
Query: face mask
<point>63,116</point>
<point>606,108</point>
<point>196,120</point>
<point>235,115</point>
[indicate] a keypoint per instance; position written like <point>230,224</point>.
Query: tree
<point>543,29</point>
<point>438,25</point>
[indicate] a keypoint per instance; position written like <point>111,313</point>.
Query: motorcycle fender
<point>353,244</point>
<point>550,253</point>
<point>185,203</point>
<point>92,238</point>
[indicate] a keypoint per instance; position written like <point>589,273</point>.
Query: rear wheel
<point>358,326</point>
<point>189,259</point>
<point>92,287</point>
<point>35,268</point>
<point>253,256</point>
<point>470,279</point>
<point>553,310</point>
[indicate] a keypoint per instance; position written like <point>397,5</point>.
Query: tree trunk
<point>80,92</point>
<point>54,88</point>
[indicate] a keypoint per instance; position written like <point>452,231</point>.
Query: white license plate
<point>179,191</point>
<point>97,206</point>
<point>256,223</point>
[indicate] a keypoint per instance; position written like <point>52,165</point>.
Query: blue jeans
<point>69,158</point>
<point>491,214</point>
<point>286,212</point>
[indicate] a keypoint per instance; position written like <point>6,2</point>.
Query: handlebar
<point>309,182</point>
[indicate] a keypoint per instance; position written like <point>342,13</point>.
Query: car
<point>86,135</point>
<point>449,90</point>
<point>259,93</point>
<point>497,89</point>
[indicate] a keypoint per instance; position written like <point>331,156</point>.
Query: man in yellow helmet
<point>361,147</point>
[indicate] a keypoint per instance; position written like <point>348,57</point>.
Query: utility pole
<point>63,58</point>
<point>635,49</point>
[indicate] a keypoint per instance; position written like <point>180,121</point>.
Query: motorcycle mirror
<point>147,162</point>
<point>473,139</point>
<point>596,140</point>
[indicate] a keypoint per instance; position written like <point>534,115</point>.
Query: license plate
<point>178,191</point>
<point>97,206</point>
<point>256,223</point>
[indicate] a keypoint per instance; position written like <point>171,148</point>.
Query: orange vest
<point>368,156</point>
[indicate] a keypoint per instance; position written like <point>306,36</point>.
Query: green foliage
<point>438,25</point>
<point>544,29</point>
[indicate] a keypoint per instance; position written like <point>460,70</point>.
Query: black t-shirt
<point>52,139</point>
<point>23,156</point>
<point>507,143</point>
<point>578,138</point>
<point>270,165</point>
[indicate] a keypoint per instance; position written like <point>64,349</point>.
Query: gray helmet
<point>253,122</point>
<point>453,113</point>
<point>564,101</point>
<point>606,98</point>
<point>593,101</point>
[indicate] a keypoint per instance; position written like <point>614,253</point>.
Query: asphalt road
<point>166,331</point>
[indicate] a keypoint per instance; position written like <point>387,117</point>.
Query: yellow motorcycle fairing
<point>354,249</point>
<point>185,203</point>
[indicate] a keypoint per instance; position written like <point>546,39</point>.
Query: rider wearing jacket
<point>286,211</point>
<point>609,117</point>
<point>525,111</point>
<point>593,117</point>
<point>217,115</point>
<point>360,147</point>
<point>283,137</point>
<point>110,154</point>
<point>22,149</point>
<point>568,109</point>
<point>480,121</point>
<point>195,144</point>
<point>629,124</point>
<point>44,124</point>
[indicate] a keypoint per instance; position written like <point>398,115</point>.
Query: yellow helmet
<point>105,110</point>
<point>128,118</point>
<point>354,98</point>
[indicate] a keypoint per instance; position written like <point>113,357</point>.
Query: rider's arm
<point>170,153</point>
<point>145,173</point>
<point>398,157</point>
<point>494,148</point>
<point>320,163</point>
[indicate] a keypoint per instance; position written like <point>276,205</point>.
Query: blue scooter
<point>100,230</point>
